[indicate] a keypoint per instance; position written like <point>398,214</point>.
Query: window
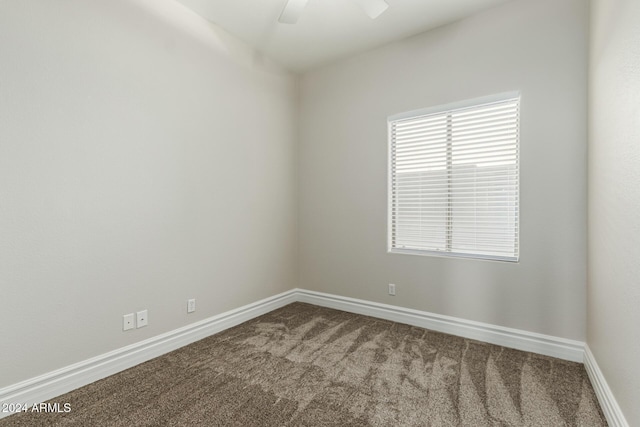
<point>453,179</point>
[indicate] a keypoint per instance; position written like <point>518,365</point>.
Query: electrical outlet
<point>141,319</point>
<point>392,289</point>
<point>191,305</point>
<point>128,322</point>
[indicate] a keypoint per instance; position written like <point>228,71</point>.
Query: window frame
<point>475,102</point>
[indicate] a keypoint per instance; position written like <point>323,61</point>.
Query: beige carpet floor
<point>304,365</point>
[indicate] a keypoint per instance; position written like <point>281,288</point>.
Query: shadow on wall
<point>599,45</point>
<point>485,291</point>
<point>207,34</point>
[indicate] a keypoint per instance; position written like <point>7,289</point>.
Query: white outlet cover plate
<point>392,289</point>
<point>128,322</point>
<point>141,319</point>
<point>191,305</point>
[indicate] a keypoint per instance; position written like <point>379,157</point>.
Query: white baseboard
<point>521,340</point>
<point>61,381</point>
<point>56,383</point>
<point>608,403</point>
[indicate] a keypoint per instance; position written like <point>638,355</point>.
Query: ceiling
<point>328,29</point>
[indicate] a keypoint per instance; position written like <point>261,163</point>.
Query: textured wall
<point>145,158</point>
<point>536,46</point>
<point>614,199</point>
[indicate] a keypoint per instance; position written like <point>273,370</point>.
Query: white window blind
<point>454,186</point>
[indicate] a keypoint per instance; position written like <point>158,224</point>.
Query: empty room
<point>319,212</point>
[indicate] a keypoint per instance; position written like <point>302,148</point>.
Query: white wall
<point>614,199</point>
<point>536,46</point>
<point>146,157</point>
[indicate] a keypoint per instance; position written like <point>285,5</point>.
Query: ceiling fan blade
<point>292,11</point>
<point>373,8</point>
